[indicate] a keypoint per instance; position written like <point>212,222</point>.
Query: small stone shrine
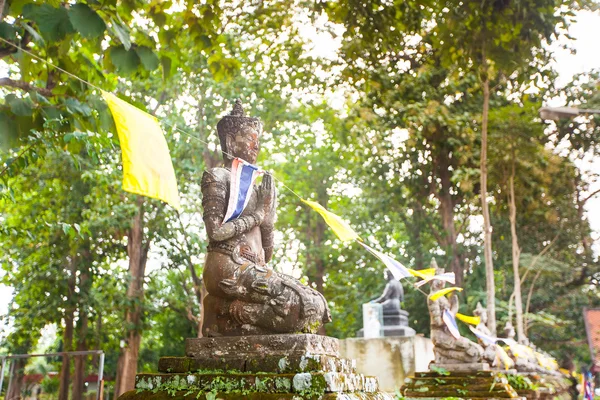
<point>259,325</point>
<point>395,319</point>
<point>460,368</point>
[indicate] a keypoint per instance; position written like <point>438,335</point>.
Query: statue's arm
<point>384,296</point>
<point>214,194</point>
<point>268,225</point>
<point>454,304</point>
<point>435,313</point>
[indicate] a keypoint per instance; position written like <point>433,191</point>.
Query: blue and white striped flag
<point>450,322</point>
<point>398,270</point>
<point>243,175</point>
<point>487,339</point>
<point>446,277</point>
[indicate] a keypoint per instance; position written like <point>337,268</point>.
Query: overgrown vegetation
<point>384,130</point>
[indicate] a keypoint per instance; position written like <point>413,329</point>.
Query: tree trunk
<point>16,379</point>
<point>2,3</point>
<point>516,254</point>
<point>79,361</point>
<point>487,228</point>
<point>446,211</point>
<point>65,371</point>
<point>137,252</point>
<point>85,285</point>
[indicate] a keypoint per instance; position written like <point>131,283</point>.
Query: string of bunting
<point>148,171</point>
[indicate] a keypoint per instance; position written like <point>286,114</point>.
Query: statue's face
<point>244,144</point>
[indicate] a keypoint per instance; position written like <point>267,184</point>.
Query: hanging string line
<point>160,119</point>
<point>48,63</point>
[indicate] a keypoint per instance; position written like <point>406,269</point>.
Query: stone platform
<point>257,367</point>
<point>465,385</point>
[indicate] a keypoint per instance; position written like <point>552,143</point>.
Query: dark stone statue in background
<point>395,319</point>
<point>245,296</point>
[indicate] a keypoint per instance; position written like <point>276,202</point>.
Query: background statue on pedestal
<point>395,319</point>
<point>245,296</point>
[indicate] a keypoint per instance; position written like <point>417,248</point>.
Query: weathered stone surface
<point>246,296</point>
<point>465,367</point>
<point>260,345</point>
<point>482,384</point>
<point>301,383</point>
<point>390,359</point>
<point>268,363</point>
<point>185,395</point>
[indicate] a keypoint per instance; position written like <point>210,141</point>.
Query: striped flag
<point>243,175</point>
<point>398,270</point>
<point>451,323</point>
<point>487,339</point>
<point>446,277</point>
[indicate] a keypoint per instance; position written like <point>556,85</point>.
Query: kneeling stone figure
<point>245,296</point>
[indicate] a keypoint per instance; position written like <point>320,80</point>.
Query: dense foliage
<point>384,130</point>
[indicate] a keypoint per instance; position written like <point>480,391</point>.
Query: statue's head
<point>388,275</point>
<point>239,135</point>
<point>481,313</point>
<point>436,284</point>
<point>509,331</point>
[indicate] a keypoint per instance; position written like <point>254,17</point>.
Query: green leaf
<point>7,31</point>
<point>76,107</point>
<point>166,63</point>
<point>148,57</point>
<point>86,21</point>
<point>20,106</point>
<point>16,6</point>
<point>121,32</point>
<point>53,23</point>
<point>36,36</point>
<point>8,131</point>
<point>126,61</point>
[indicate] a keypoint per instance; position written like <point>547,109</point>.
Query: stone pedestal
<point>466,385</point>
<point>394,324</point>
<point>257,367</point>
<point>389,359</point>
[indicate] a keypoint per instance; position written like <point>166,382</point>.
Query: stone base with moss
<point>257,367</point>
<point>441,384</point>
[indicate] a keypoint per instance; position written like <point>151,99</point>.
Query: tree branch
<point>590,196</point>
<point>535,260</point>
<point>25,86</point>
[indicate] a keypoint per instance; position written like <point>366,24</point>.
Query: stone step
<point>481,384</point>
<point>260,345</point>
<point>301,383</point>
<point>186,395</point>
<point>268,363</point>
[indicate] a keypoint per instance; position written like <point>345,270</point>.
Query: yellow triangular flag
<point>423,273</point>
<point>340,227</point>
<point>468,319</point>
<point>443,292</point>
<point>147,166</point>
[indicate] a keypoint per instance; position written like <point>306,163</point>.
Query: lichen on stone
<point>302,381</point>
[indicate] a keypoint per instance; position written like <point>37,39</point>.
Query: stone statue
<point>395,319</point>
<point>245,296</point>
<point>392,296</point>
<point>523,356</point>
<point>447,349</point>
<point>490,350</point>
